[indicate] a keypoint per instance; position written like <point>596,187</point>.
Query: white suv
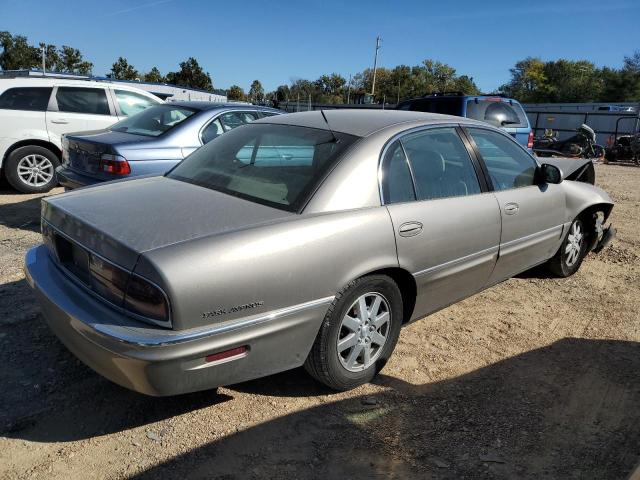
<point>35,112</point>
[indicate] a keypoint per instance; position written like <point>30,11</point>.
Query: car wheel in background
<point>358,334</point>
<point>569,257</point>
<point>32,169</point>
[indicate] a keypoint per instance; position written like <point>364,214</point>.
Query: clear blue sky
<point>238,41</point>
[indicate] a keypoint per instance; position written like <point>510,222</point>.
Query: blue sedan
<point>150,142</point>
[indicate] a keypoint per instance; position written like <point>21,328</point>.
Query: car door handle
<point>61,121</point>
<point>511,208</point>
<point>409,229</point>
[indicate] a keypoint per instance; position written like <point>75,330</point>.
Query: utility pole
<point>43,58</point>
<point>375,66</point>
<point>349,90</point>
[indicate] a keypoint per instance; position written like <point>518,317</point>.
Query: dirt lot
<point>534,378</point>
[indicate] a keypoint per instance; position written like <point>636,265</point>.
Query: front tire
<point>32,169</point>
<point>358,334</point>
<point>569,256</point>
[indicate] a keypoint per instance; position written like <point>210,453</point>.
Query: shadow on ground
<point>23,215</point>
<point>569,410</point>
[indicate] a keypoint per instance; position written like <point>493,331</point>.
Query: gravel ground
<point>534,378</point>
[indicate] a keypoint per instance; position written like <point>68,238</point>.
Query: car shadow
<point>23,215</point>
<point>568,410</point>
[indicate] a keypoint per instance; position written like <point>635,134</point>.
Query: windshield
<point>497,112</point>
<point>277,165</point>
<point>154,121</point>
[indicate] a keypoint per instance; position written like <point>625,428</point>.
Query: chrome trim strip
<point>169,337</point>
<point>453,263</point>
<point>531,236</point>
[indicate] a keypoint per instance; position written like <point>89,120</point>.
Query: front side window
<point>131,103</point>
<point>82,100</point>
<point>508,164</point>
<point>497,112</point>
<point>231,120</point>
<point>277,165</point>
<point>154,121</point>
<point>441,164</point>
<point>397,185</point>
<point>33,99</point>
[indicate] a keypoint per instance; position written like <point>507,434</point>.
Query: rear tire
<point>358,334</point>
<point>569,256</point>
<point>32,169</point>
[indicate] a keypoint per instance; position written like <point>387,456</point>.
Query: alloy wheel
<point>35,170</point>
<point>573,248</point>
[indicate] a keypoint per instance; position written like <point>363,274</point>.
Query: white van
<point>35,112</point>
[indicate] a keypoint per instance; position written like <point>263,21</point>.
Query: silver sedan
<point>304,239</point>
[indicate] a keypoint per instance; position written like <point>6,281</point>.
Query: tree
<point>71,61</point>
<point>632,63</point>
<point>236,93</point>
<point>155,76</point>
<point>256,92</point>
<point>17,53</point>
<point>191,75</point>
<point>121,70</point>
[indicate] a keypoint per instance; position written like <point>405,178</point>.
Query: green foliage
<point>256,92</point>
<point>17,54</point>
<point>191,75</point>
<point>121,70</point>
<point>155,76</point>
<point>236,93</point>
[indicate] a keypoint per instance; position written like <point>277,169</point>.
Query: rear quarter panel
<point>280,265</point>
<point>17,125</point>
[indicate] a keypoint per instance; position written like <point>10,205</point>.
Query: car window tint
<point>498,113</point>
<point>277,165</point>
<point>508,164</point>
<point>32,99</point>
<point>82,100</point>
<point>212,130</point>
<point>231,120</point>
<point>397,185</point>
<point>131,103</point>
<point>441,164</point>
<point>268,114</point>
<point>154,121</point>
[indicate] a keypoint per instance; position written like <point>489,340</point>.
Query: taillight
<point>107,280</point>
<point>145,299</point>
<point>114,164</point>
<point>530,141</point>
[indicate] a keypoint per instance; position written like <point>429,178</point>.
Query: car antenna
<point>335,139</point>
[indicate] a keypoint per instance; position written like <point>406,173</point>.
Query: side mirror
<point>549,174</point>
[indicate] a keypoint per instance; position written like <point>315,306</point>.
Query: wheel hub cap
<point>363,332</point>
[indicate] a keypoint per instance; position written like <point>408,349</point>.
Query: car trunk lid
<point>120,220</point>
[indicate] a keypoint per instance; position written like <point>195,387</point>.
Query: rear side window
<point>497,113</point>
<point>131,103</point>
<point>82,100</point>
<point>232,120</point>
<point>33,99</point>
<point>441,164</point>
<point>397,185</point>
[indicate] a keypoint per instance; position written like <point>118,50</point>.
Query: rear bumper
<point>157,361</point>
<point>70,179</point>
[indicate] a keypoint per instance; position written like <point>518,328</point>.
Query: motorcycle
<point>581,145</point>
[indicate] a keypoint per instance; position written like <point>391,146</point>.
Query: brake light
<point>145,299</point>
<point>114,164</point>
<point>530,140</point>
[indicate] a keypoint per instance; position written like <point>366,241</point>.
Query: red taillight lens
<point>114,164</point>
<point>107,280</point>
<point>530,141</point>
<point>145,299</point>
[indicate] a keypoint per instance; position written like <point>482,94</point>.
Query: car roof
<point>202,105</point>
<point>462,96</point>
<point>361,122</point>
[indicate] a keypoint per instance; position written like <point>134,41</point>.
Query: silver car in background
<point>302,239</point>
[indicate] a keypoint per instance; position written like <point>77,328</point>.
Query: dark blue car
<point>506,113</point>
<point>150,142</point>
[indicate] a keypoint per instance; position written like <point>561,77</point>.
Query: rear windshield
<point>154,121</point>
<point>498,113</point>
<point>443,105</point>
<point>276,165</point>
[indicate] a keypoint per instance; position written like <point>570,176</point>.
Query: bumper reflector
<point>234,352</point>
